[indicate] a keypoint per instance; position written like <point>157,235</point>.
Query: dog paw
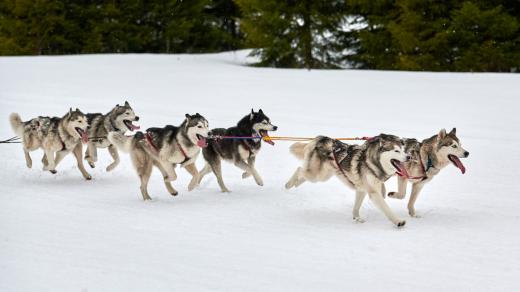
<point>111,167</point>
<point>53,171</point>
<point>288,185</point>
<point>359,220</point>
<point>226,191</point>
<point>415,215</point>
<point>91,164</point>
<point>400,224</point>
<point>259,181</point>
<point>246,174</point>
<point>88,177</point>
<point>175,193</point>
<point>193,184</point>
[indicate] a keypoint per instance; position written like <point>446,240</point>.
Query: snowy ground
<point>61,233</point>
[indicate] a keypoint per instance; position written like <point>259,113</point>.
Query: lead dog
<point>363,168</point>
<point>165,148</point>
<point>57,137</point>
<point>429,157</point>
<point>242,152</point>
<point>119,119</point>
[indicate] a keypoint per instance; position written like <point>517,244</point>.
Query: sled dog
<point>165,148</point>
<point>56,136</point>
<point>429,157</point>
<point>242,152</point>
<point>119,119</point>
<point>364,168</point>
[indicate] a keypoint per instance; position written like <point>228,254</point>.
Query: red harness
<point>149,139</point>
<point>423,177</point>
<point>186,157</point>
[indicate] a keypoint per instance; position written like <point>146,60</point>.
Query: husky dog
<point>242,152</point>
<point>165,148</point>
<point>119,119</point>
<point>31,132</point>
<point>364,167</point>
<point>428,158</point>
<point>58,137</point>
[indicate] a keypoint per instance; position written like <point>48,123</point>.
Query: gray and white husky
<point>242,152</point>
<point>119,119</point>
<point>365,168</point>
<point>56,136</point>
<point>428,158</point>
<point>165,148</point>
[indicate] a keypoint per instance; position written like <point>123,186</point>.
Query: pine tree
<point>293,34</point>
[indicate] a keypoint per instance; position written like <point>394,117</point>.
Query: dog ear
<point>442,134</point>
<point>453,131</point>
<point>70,111</point>
<point>251,115</point>
<point>260,112</point>
<point>127,104</point>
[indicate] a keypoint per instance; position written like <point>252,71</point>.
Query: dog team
<point>365,168</point>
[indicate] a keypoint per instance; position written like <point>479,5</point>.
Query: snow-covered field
<point>62,233</point>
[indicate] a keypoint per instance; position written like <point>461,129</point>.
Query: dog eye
<point>454,146</point>
<point>200,127</point>
<point>396,151</point>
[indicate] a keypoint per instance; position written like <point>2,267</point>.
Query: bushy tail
<point>16,124</point>
<point>122,142</point>
<point>298,149</point>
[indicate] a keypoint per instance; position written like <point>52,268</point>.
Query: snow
<point>61,233</point>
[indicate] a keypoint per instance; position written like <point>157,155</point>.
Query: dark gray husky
<point>242,152</point>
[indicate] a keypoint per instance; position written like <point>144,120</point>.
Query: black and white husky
<point>364,168</point>
<point>165,148</point>
<point>428,158</point>
<point>119,119</point>
<point>242,152</point>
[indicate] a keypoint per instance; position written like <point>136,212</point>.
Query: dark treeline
<point>443,35</point>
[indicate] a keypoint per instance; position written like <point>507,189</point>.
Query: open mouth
<point>265,137</point>
<point>456,161</point>
<point>399,167</point>
<point>130,126</point>
<point>201,141</point>
<point>83,134</point>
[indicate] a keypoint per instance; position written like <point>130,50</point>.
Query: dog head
<point>197,129</point>
<point>450,149</point>
<point>261,124</point>
<point>413,148</point>
<point>76,124</point>
<point>391,153</point>
<point>124,116</point>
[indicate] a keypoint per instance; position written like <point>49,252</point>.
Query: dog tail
<point>16,124</point>
<point>122,142</point>
<point>298,149</point>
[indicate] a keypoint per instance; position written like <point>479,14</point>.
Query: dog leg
<point>145,172</point>
<point>92,154</point>
<point>28,160</point>
<point>217,170</point>
<point>44,160</point>
<point>78,150</point>
<point>401,189</point>
<point>251,161</point>
<point>115,155</point>
<point>167,183</point>
<point>296,179</point>
<point>416,189</point>
<point>377,199</point>
<point>59,156</point>
<point>169,168</point>
<point>203,172</point>
<point>192,169</point>
<point>50,161</point>
<point>360,196</point>
<point>244,166</point>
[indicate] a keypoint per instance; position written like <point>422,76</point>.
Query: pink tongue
<point>84,137</point>
<point>458,164</point>
<point>202,143</point>
<point>134,127</point>
<point>402,170</point>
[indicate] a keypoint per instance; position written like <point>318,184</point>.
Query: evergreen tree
<point>292,33</point>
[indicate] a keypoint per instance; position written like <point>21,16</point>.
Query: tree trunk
<point>307,35</point>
